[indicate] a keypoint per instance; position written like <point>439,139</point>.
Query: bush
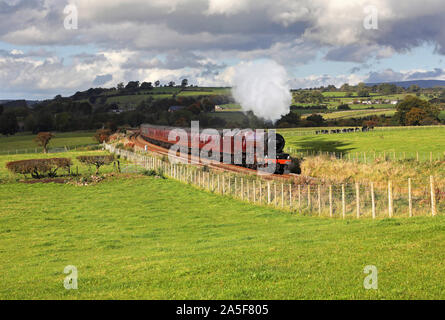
<point>102,135</point>
<point>343,107</point>
<point>38,168</point>
<point>97,161</point>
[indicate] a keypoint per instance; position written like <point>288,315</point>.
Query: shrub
<point>102,135</point>
<point>343,107</point>
<point>38,168</point>
<point>97,161</point>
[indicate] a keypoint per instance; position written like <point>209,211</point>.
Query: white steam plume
<point>262,87</point>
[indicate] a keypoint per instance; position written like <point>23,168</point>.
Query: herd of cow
<point>363,129</point>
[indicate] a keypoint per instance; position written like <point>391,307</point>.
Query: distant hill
<point>421,83</point>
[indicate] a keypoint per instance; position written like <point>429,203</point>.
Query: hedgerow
<point>39,168</point>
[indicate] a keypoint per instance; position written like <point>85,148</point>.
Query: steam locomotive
<point>159,135</point>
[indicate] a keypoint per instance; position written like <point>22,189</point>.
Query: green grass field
<point>22,141</point>
<point>148,238</point>
<point>357,113</point>
<point>401,139</point>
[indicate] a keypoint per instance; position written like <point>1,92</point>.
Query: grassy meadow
<point>133,236</point>
<point>22,141</point>
<point>142,237</point>
<point>396,139</point>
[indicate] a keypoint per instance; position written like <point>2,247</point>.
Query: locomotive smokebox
<point>279,142</point>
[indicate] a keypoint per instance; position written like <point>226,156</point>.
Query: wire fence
<point>416,198</point>
<point>50,150</point>
<point>370,156</point>
<point>317,130</point>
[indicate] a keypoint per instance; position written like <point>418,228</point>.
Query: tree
<point>120,86</point>
<point>43,139</point>
<point>184,83</point>
<point>31,123</point>
<point>97,161</point>
<point>316,118</point>
<point>146,86</point>
<point>363,93</point>
<point>345,87</point>
<point>415,116</point>
<point>63,121</point>
<point>157,83</point>
<point>410,102</point>
<point>132,85</point>
<point>8,124</point>
<point>1,109</point>
<point>45,121</point>
<point>102,135</point>
<point>343,106</point>
<point>171,84</point>
<point>413,88</point>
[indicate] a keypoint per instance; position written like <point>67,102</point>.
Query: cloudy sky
<point>319,42</point>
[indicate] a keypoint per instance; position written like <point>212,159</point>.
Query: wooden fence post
<point>373,200</point>
<point>275,194</point>
<point>410,200</point>
<point>254,191</point>
<point>282,195</point>
<point>319,200</point>
<point>290,195</point>
<point>433,196</point>
<point>309,196</point>
<point>208,181</point>
<point>248,190</point>
<point>357,196</point>
<point>242,189</point>
<point>390,209</point>
<point>261,192</point>
<point>343,201</point>
<point>230,187</point>
<point>268,192</point>
<point>299,196</point>
<point>330,201</point>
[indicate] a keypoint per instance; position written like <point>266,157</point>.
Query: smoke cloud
<point>262,87</point>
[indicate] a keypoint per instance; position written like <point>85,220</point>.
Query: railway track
<point>142,144</point>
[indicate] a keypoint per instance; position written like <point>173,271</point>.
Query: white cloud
<point>135,36</point>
